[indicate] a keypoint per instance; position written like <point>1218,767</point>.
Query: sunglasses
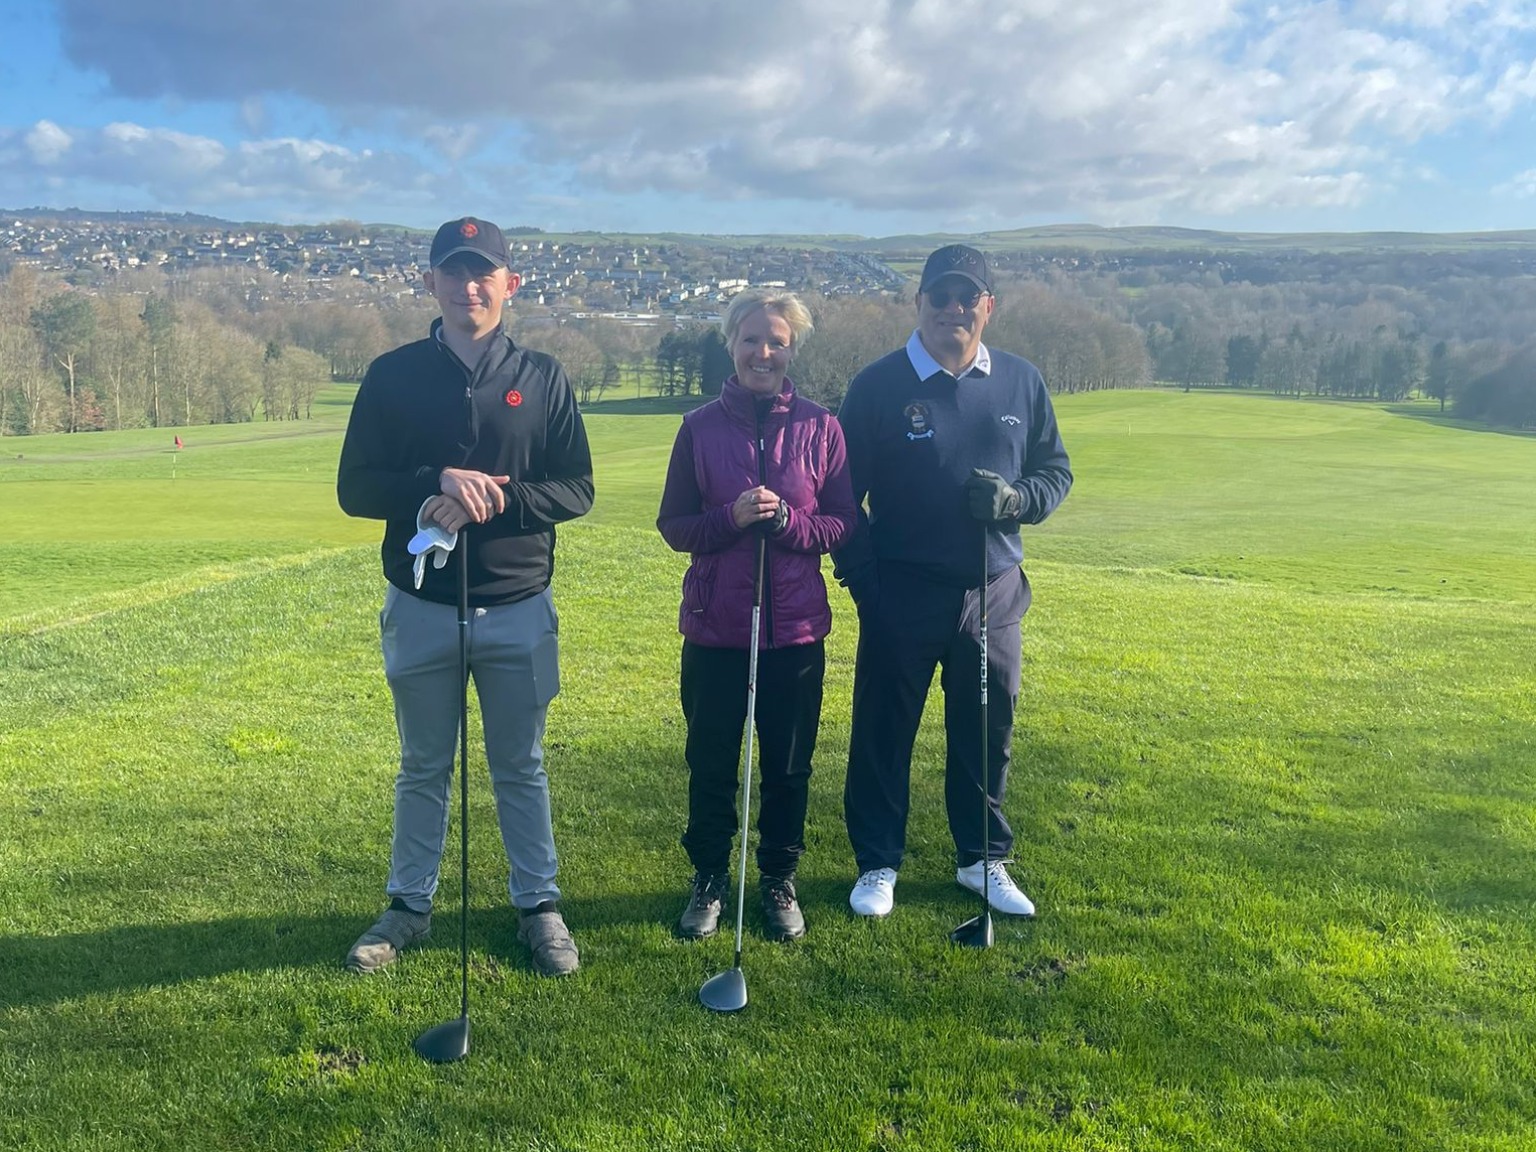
<point>967,297</point>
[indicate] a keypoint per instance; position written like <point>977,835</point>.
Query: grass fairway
<point>1273,787</point>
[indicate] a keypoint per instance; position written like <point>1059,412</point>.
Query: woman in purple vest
<point>760,462</point>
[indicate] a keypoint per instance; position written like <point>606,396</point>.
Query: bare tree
<point>1076,347</point>
<point>120,347</point>
<point>25,388</point>
<point>579,354</point>
<point>159,317</point>
<point>624,349</point>
<point>850,333</point>
<point>65,323</point>
<point>303,373</point>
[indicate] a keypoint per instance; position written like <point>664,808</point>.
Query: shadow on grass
<point>1446,420</point>
<point>50,969</point>
<point>46,969</point>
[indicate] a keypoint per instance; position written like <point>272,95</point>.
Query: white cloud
<point>1005,108</point>
<point>47,143</point>
<point>452,141</point>
<point>177,170</point>
<point>1516,88</point>
<point>1520,186</point>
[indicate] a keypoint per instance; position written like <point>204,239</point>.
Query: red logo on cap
<point>514,398</point>
<point>468,230</point>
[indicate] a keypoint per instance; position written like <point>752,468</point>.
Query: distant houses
<point>617,278</point>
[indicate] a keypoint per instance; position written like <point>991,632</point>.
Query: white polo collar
<point>925,365</point>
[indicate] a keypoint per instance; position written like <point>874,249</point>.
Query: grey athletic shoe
<point>702,916</point>
<point>782,918</point>
<point>390,935</point>
<point>549,940</point>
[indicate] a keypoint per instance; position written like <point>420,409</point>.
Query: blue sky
<point>871,117</point>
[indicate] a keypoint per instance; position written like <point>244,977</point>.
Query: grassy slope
<point>1273,796</point>
<point>110,512</point>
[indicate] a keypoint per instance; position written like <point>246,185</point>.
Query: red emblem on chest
<point>514,398</point>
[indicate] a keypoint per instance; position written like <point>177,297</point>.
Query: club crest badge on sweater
<point>917,414</point>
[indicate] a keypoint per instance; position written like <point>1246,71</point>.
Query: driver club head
<point>974,933</point>
<point>726,992</point>
<point>444,1043</point>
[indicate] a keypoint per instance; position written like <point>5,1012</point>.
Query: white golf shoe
<point>1002,893</point>
<point>875,892</point>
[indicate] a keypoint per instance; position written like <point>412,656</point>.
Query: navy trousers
<point>913,627</point>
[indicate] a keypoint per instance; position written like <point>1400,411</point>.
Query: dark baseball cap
<point>469,234</point>
<point>956,260</point>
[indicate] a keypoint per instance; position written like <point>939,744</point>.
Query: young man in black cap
<point>954,445</point>
<point>466,439</point>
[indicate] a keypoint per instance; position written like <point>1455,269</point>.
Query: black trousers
<point>714,696</point>
<point>913,627</point>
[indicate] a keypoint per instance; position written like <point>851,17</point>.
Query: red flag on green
<point>178,442</point>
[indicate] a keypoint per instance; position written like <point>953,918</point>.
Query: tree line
<point>71,361</point>
<point>208,346</point>
<point>1452,326</point>
<point>1077,349</point>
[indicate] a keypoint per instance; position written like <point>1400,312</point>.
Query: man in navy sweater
<point>954,445</point>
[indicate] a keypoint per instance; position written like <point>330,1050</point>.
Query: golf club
<point>977,931</point>
<point>449,1041</point>
<point>727,992</point>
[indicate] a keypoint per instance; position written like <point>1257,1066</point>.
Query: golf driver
<point>449,1041</point>
<point>727,992</point>
<point>977,931</point>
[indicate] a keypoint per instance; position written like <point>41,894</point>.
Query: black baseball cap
<point>470,234</point>
<point>956,260</point>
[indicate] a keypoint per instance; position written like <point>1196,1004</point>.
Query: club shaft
<point>986,758</point>
<point>464,773</point>
<point>746,738</point>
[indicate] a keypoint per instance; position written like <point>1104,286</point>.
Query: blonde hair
<point>784,304</point>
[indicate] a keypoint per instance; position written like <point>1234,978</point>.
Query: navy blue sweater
<point>913,443</point>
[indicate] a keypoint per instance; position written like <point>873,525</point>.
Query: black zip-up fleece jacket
<point>420,410</point>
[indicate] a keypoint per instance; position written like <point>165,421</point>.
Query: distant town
<point>1381,315</point>
<point>620,279</point>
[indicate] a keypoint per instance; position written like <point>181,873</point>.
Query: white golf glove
<point>430,540</point>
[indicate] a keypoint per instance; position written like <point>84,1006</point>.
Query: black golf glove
<point>780,519</point>
<point>991,497</point>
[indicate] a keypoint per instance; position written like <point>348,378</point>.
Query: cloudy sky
<point>865,116</point>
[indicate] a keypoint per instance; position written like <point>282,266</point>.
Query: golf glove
<point>991,497</point>
<point>430,540</point>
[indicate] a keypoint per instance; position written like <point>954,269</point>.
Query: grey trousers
<point>515,663</point>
